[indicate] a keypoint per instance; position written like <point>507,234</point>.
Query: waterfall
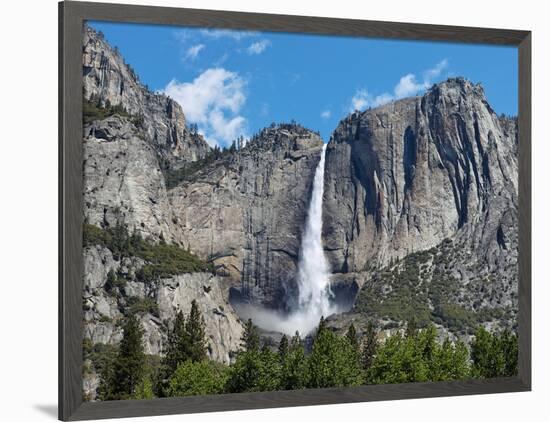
<point>313,273</point>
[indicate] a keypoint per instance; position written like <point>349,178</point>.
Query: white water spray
<point>313,274</point>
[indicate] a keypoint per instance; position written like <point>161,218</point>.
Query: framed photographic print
<point>266,210</point>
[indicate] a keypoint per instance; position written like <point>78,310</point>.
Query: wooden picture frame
<point>71,18</point>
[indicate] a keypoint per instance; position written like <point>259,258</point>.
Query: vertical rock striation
<point>422,173</point>
<point>405,176</point>
<point>246,212</point>
<point>108,79</point>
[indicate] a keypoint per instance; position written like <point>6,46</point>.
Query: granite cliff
<point>420,212</point>
<point>421,174</point>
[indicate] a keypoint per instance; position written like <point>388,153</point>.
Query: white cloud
<point>360,100</point>
<point>325,114</point>
<point>213,100</point>
<point>227,33</point>
<point>407,86</point>
<point>434,72</point>
<point>382,99</point>
<point>193,52</point>
<point>258,47</point>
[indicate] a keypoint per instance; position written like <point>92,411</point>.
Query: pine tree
<point>197,378</point>
<point>120,241</point>
<point>333,362</point>
<point>412,327</point>
<point>129,366</point>
<point>509,346</point>
<point>483,362</point>
<point>195,333</point>
<point>351,335</point>
<point>370,346</point>
<point>294,371</point>
<point>144,390</point>
<point>451,362</point>
<point>270,370</point>
<point>251,339</point>
<point>322,326</point>
<point>177,344</point>
<point>283,348</point>
<point>494,355</point>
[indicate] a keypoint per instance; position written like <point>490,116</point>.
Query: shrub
<point>163,259</point>
<point>198,378</point>
<point>137,305</point>
<point>92,111</point>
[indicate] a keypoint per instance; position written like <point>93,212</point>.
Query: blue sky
<point>234,83</point>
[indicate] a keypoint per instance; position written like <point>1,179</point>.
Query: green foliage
<point>418,358</point>
<point>114,281</point>
<point>451,362</point>
<point>169,259</point>
<point>144,390</point>
<point>398,361</point>
<point>423,289</point>
<point>404,301</point>
<point>370,346</point>
<point>283,348</point>
<point>455,317</point>
<point>250,341</point>
<point>412,327</point>
<point>198,378</point>
<point>121,379</point>
<point>102,357</point>
<point>333,361</point>
<point>255,370</point>
<point>188,171</point>
<point>186,344</point>
<point>163,260</point>
<point>494,355</point>
<point>195,333</point>
<point>294,371</point>
<point>176,351</point>
<point>141,305</point>
<point>94,235</point>
<point>351,335</point>
<point>92,111</point>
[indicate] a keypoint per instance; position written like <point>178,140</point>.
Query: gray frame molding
<point>71,18</point>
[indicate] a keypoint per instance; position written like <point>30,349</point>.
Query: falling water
<point>313,274</point>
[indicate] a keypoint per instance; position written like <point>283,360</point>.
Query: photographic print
<point>279,211</point>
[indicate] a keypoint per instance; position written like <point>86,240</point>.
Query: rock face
<point>109,80</point>
<point>122,179</point>
<point>124,153</point>
<point>403,177</point>
<point>406,176</point>
<point>246,212</point>
<point>420,210</point>
<point>167,296</point>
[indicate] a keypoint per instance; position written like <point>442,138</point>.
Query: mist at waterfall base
<point>313,275</point>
